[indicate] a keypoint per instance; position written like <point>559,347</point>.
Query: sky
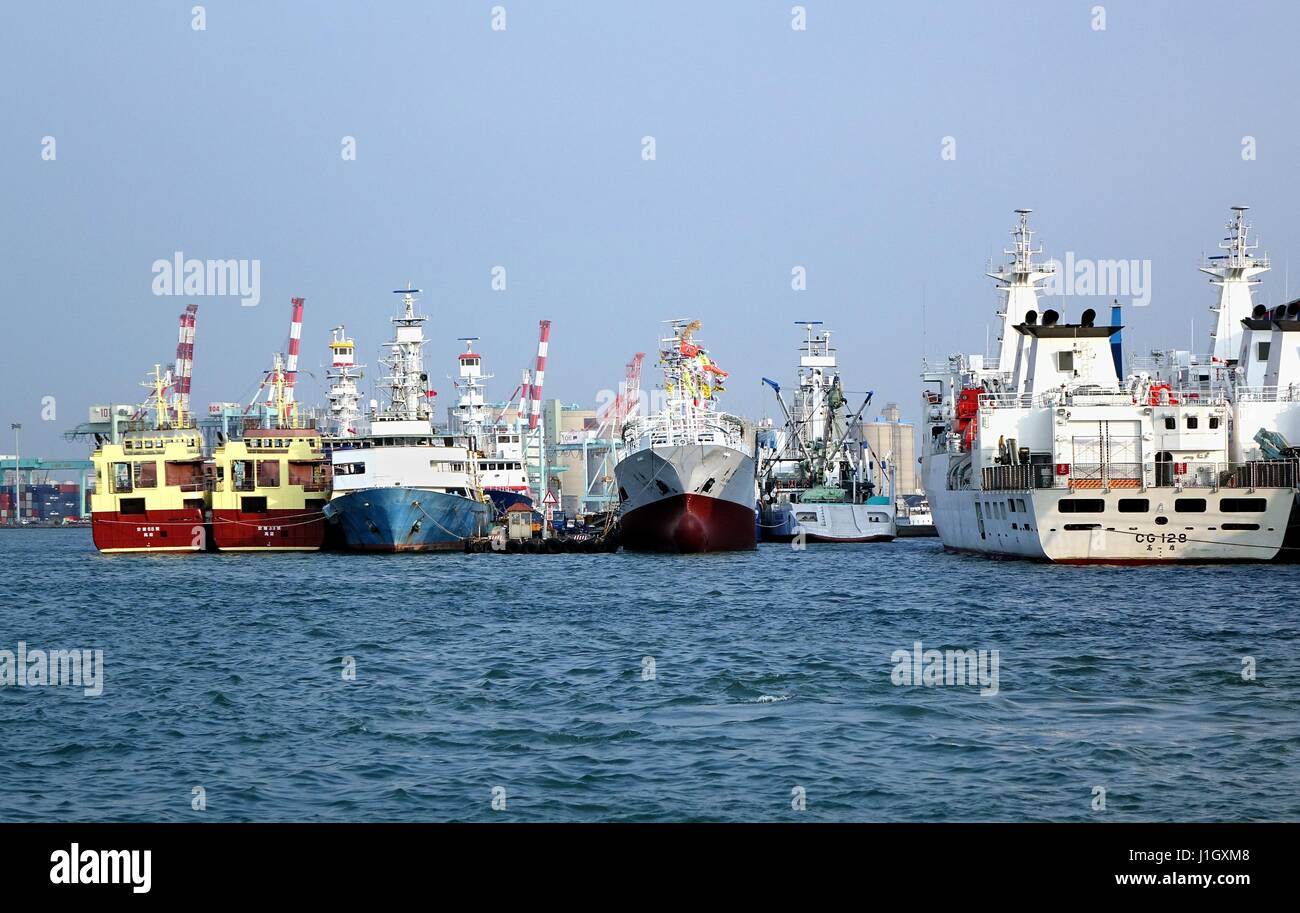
<point>882,148</point>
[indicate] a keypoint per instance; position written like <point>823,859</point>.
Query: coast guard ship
<point>403,486</point>
<point>1043,451</point>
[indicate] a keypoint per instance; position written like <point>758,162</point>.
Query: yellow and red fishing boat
<point>150,494</point>
<point>270,487</point>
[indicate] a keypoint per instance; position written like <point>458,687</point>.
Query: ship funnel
<point>1031,318</point>
<point>1279,312</point>
<point>1050,317</point>
<point>1089,318</point>
<point>1293,308</point>
<point>1260,312</point>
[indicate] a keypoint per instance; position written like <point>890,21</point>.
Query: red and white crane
<point>290,356</point>
<point>183,370</point>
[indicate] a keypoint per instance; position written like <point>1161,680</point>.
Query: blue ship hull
<point>777,523</point>
<point>502,500</point>
<point>406,520</point>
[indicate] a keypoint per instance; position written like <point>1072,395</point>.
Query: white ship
<point>913,517</point>
<point>499,462</point>
<point>686,481</point>
<point>816,480</point>
<point>344,400</point>
<point>1044,452</point>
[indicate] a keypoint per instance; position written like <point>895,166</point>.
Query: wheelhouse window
<point>146,474</point>
<point>187,476</point>
<point>1261,350</point>
<point>309,475</point>
<point>268,473</point>
<point>241,475</point>
<point>121,477</point>
<point>1065,361</point>
<point>1193,422</point>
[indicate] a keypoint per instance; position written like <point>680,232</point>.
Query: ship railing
<point>1274,394</point>
<point>1208,476</point>
<point>1086,398</point>
<point>1006,400</point>
<point>1214,476</point>
<point>267,423</point>
<point>666,431</point>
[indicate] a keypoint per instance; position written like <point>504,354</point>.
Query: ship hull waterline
<point>687,498</point>
<point>179,530</point>
<point>403,519</point>
<point>282,530</point>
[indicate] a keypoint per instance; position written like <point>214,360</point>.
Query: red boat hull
<point>287,529</point>
<point>688,523</point>
<point>183,530</point>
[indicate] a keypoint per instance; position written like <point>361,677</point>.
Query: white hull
<point>1029,524</point>
<point>845,522</point>
<point>710,470</point>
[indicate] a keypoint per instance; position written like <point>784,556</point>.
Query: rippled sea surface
<point>769,678</point>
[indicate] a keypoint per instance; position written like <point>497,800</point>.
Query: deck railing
<point>1202,476</point>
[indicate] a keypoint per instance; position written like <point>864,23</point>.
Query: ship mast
<point>407,382</point>
<point>1234,273</point>
<point>470,406</point>
<point>1019,282</point>
<point>343,375</point>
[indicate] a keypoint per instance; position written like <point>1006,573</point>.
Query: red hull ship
<point>287,529</point>
<point>689,523</point>
<point>686,480</point>
<point>183,530</point>
<point>269,488</point>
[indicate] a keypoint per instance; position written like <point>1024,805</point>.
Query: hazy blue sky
<point>522,148</point>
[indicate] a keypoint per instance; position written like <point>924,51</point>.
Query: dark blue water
<point>772,671</point>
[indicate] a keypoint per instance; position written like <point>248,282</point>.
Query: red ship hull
<point>183,530</point>
<point>688,523</point>
<point>287,529</point>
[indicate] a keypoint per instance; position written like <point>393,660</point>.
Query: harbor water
<point>755,686</point>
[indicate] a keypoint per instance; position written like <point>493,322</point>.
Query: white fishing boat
<point>818,481</point>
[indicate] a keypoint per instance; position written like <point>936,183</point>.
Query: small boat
<point>913,517</point>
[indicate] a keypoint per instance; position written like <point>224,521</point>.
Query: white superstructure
<point>343,374</point>
<point>402,449</point>
<point>500,453</point>
<point>1048,453</point>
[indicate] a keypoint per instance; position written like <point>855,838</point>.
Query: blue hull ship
<point>402,519</point>
<point>503,500</point>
